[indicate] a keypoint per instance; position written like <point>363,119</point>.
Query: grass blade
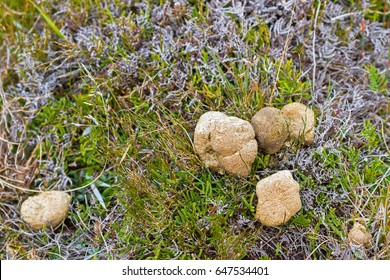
<point>49,21</point>
<point>98,196</point>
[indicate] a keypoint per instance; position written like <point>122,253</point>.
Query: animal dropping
<point>278,199</point>
<point>271,129</point>
<point>45,210</point>
<point>358,235</point>
<point>301,121</point>
<point>225,144</point>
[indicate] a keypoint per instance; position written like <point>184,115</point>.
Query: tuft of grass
<point>172,210</point>
<point>291,86</point>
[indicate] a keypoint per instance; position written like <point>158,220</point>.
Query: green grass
<point>49,21</point>
<point>120,139</point>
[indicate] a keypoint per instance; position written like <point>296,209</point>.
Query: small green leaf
<point>87,131</point>
<point>301,220</point>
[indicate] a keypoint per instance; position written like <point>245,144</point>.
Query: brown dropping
<point>225,144</point>
<point>278,199</point>
<point>271,129</point>
<point>46,210</point>
<point>301,121</point>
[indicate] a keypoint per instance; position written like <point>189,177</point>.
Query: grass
<point>102,99</point>
<point>49,21</point>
